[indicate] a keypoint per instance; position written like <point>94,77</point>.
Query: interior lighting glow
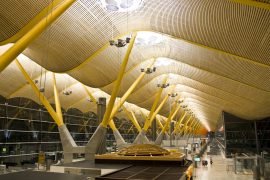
<point>163,62</point>
<point>4,48</point>
<point>121,5</point>
<point>145,38</point>
<point>173,77</point>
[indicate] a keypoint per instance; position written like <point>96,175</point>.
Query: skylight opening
<point>161,61</point>
<point>145,38</point>
<point>173,76</point>
<point>121,5</point>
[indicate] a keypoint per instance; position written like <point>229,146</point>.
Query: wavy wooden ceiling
<point>219,50</point>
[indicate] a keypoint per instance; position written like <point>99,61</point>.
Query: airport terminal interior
<point>134,89</point>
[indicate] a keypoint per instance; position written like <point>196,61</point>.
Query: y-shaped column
<point>100,132</point>
<point>171,116</point>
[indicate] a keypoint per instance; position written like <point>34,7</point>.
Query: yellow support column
<point>253,3</point>
<point>147,125</point>
<point>159,123</point>
<point>178,124</point>
<point>133,118</point>
<point>40,95</point>
<point>17,48</point>
<point>122,101</point>
<point>116,87</point>
<point>89,94</point>
<point>56,99</point>
<point>194,127</point>
<point>153,108</point>
<point>111,124</point>
<point>180,130</point>
<point>168,121</point>
<point>32,22</point>
<point>186,124</point>
<point>170,118</point>
<point>189,127</point>
<point>93,143</point>
<point>68,143</point>
<point>135,122</point>
<point>182,117</point>
<point>128,92</point>
<point>143,115</point>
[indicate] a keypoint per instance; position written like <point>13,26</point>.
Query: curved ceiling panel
<point>15,14</point>
<point>216,52</point>
<point>219,24</point>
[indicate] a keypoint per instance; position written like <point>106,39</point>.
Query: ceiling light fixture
<point>163,85</point>
<point>120,42</point>
<point>42,89</point>
<point>149,70</point>
<point>184,106</point>
<point>181,101</point>
<point>173,94</point>
<point>67,92</point>
<point>89,99</point>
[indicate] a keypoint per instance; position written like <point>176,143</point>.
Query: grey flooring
<point>221,169</point>
<point>37,175</point>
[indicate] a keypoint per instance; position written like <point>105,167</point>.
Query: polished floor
<point>221,169</point>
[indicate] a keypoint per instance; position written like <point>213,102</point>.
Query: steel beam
<point>182,117</point>
<point>185,125</point>
<point>153,108</point>
<point>32,23</point>
<point>159,139</point>
<point>40,95</point>
<point>7,57</point>
<point>133,119</point>
<point>94,142</point>
<point>128,92</point>
<point>116,88</point>
<point>147,125</point>
<point>159,123</point>
<point>57,100</point>
<point>89,94</point>
<point>253,3</point>
<point>170,118</point>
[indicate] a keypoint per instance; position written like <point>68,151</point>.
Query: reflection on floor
<point>221,169</point>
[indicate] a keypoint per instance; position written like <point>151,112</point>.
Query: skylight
<point>145,38</point>
<point>121,5</point>
<point>163,62</point>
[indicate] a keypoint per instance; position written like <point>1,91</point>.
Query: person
<point>211,161</point>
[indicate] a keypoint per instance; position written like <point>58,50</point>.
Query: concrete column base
<point>68,157</point>
<point>66,138</point>
<point>68,144</point>
<point>94,143</point>
<point>167,136</point>
<point>159,138</point>
<point>141,138</point>
<point>120,142</point>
